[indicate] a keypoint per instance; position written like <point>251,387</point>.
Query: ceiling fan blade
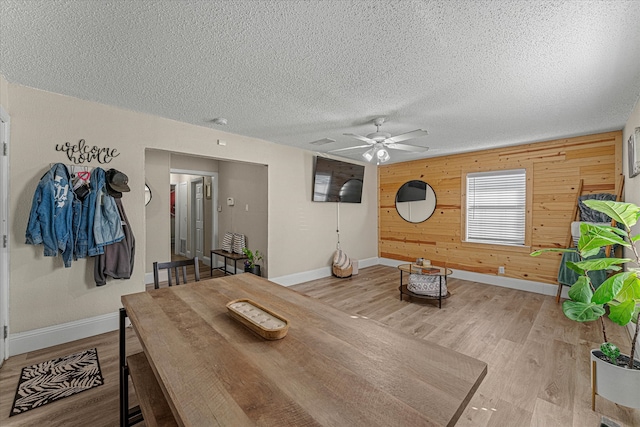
<point>361,138</point>
<point>405,147</point>
<point>349,148</point>
<point>404,136</point>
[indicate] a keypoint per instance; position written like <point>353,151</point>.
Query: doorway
<point>196,214</point>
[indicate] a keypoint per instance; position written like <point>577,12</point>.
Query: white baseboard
<point>37,339</point>
<point>306,276</point>
<point>507,282</point>
<point>24,342</point>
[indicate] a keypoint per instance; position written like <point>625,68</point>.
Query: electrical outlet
<point>501,270</point>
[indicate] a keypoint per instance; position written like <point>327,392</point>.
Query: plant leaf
<point>623,213</point>
<point>608,290</point>
<point>593,237</point>
<point>622,313</point>
<point>542,251</point>
<point>601,264</point>
<point>582,312</point>
<point>630,287</point>
<point>615,230</point>
<point>573,266</point>
<point>581,290</point>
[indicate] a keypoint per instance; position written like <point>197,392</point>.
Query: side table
<point>440,272</point>
<point>227,256</point>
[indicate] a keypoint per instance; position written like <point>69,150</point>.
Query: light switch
<point>246,208</point>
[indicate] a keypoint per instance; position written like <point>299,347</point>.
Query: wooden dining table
<point>332,368</point>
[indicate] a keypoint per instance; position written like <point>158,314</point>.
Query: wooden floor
<point>538,360</point>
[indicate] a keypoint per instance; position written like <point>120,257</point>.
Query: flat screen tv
<point>412,192</point>
<point>337,181</point>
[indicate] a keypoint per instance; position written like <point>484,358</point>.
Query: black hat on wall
<point>117,183</point>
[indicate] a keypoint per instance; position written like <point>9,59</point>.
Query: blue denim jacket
<point>105,221</point>
<point>82,211</point>
<point>50,219</point>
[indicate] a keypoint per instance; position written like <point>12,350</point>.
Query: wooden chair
<point>175,267</point>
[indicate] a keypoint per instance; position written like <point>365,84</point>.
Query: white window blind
<point>496,205</point>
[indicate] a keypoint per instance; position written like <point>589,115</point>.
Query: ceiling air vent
<point>322,141</point>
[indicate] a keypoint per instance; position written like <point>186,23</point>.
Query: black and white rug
<point>56,379</point>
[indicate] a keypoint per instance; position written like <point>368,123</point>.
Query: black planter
<point>255,270</point>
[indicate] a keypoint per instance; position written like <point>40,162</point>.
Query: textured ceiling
<point>475,74</point>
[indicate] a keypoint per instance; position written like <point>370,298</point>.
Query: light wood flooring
<point>538,360</point>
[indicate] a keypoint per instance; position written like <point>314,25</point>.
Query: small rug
<point>58,378</point>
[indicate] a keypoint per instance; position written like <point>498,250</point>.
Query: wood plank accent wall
<point>554,170</point>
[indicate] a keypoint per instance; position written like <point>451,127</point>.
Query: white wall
<point>631,185</point>
<point>158,220</point>
<point>248,186</point>
<point>43,293</point>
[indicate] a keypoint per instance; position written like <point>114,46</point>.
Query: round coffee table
<point>432,270</point>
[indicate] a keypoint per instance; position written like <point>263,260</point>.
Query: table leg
<point>128,417</point>
<point>124,392</point>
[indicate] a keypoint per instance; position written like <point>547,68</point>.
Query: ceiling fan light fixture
<point>368,155</point>
<point>383,155</point>
<point>378,143</point>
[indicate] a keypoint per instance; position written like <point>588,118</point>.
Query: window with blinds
<point>496,207</point>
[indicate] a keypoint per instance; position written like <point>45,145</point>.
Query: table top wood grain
<point>332,368</point>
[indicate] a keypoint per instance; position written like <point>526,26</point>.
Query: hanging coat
<point>117,259</point>
<point>50,219</point>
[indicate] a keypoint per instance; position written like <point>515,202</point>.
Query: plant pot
<point>255,270</point>
<point>615,383</point>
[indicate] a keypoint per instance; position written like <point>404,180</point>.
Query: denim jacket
<point>50,219</point>
<point>105,221</point>
<point>83,210</point>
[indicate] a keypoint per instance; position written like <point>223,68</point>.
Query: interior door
<point>182,219</point>
<point>199,219</point>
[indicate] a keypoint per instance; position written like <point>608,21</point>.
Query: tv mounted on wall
<point>412,191</point>
<point>337,181</point>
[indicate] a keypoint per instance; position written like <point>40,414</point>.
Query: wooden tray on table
<point>258,319</point>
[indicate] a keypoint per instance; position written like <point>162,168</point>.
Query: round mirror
<point>147,194</point>
<point>415,201</point>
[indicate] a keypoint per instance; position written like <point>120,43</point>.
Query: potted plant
<point>615,376</point>
<point>253,258</point>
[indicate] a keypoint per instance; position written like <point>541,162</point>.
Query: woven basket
<point>424,284</point>
<point>342,272</point>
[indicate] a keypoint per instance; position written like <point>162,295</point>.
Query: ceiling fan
<point>378,143</point>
